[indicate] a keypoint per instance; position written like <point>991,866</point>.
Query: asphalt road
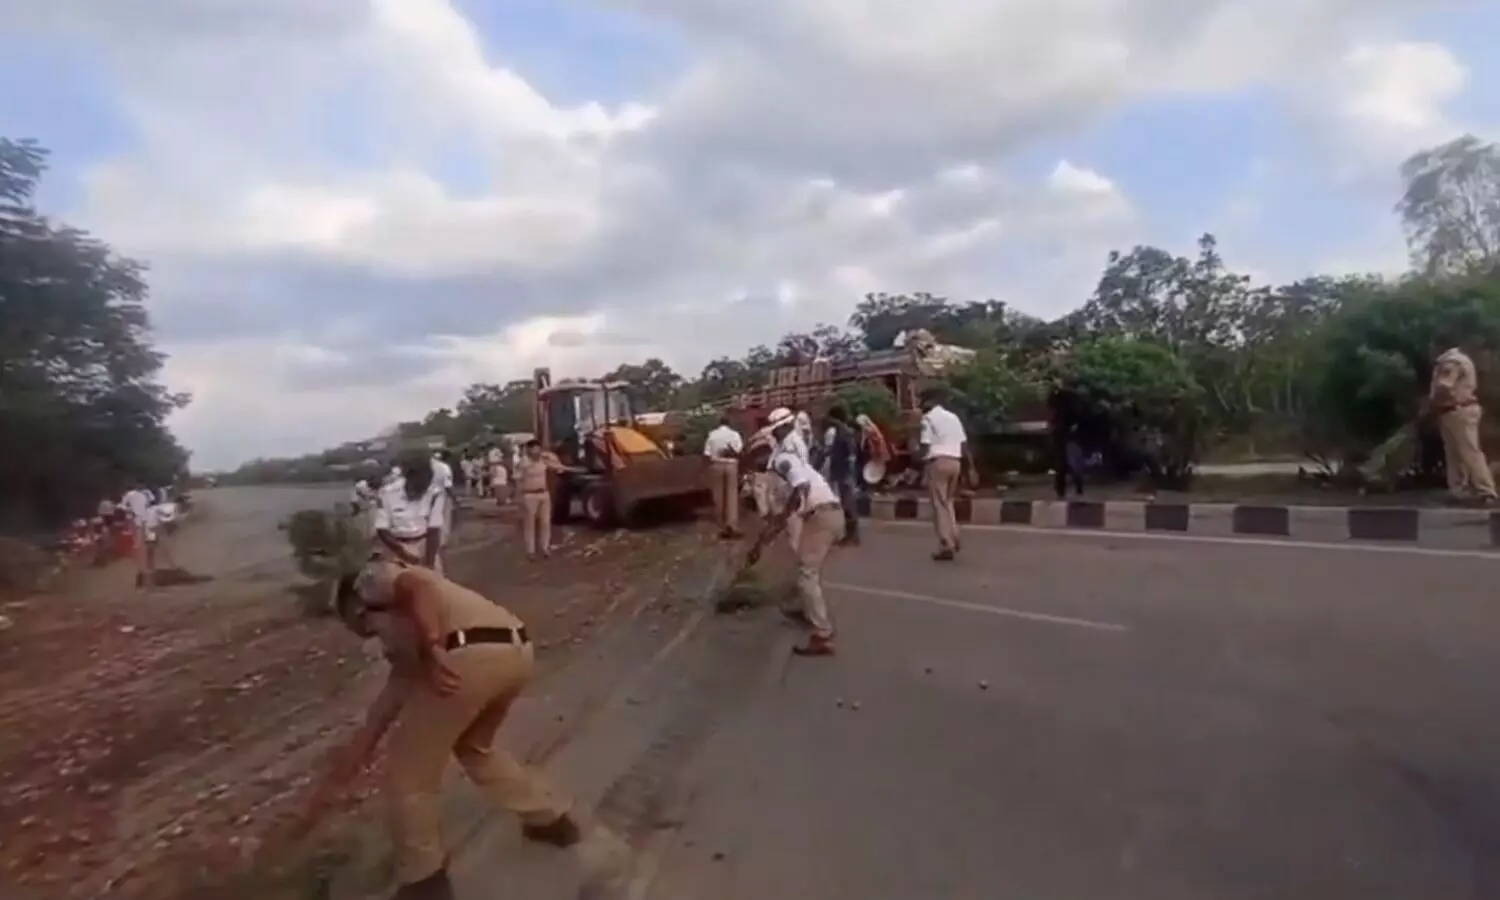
<point>234,529</point>
<point>1060,716</point>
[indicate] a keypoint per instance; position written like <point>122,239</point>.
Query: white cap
<point>779,416</point>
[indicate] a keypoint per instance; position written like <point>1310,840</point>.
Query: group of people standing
<point>142,515</point>
<point>412,510</point>
<point>809,489</point>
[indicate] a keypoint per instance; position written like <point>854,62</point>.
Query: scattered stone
<point>984,685</point>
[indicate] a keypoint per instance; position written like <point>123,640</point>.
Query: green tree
<point>81,409</point>
<point>1377,351</point>
<point>1451,207</point>
<point>987,391</point>
<point>653,383</point>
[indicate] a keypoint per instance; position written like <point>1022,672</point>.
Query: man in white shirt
<point>787,441</point>
<point>815,507</point>
<point>137,503</point>
<point>410,517</point>
<point>723,447</point>
<point>944,448</point>
<point>442,475</point>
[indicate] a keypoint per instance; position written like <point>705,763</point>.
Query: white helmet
<point>779,416</point>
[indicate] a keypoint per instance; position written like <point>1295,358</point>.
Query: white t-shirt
<point>723,442</point>
<point>798,472</point>
<point>406,518</point>
<point>138,503</point>
<point>442,474</point>
<point>793,445</point>
<point>943,434</point>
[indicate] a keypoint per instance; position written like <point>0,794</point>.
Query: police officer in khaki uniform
<point>723,447</point>
<point>536,498</point>
<point>458,662</point>
<point>1454,400</point>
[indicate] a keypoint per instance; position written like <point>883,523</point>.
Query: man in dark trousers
<point>1068,412</point>
<point>840,451</point>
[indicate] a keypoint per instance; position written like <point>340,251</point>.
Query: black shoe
<point>434,887</point>
<point>560,832</point>
<point>944,555</point>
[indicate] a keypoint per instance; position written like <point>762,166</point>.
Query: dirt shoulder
<point>148,739</point>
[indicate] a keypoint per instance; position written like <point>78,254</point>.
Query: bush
<point>326,544</point>
<point>873,401</point>
<point>1375,357</point>
<point>987,391</point>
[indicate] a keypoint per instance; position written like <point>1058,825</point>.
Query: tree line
<point>1326,366</point>
<point>82,412</point>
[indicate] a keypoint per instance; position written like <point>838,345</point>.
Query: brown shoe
<point>815,646</point>
<point>434,887</point>
<point>562,832</point>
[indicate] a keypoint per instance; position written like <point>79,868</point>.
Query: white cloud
<point>384,211</point>
<point>1377,103</point>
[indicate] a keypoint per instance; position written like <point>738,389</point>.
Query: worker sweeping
<point>787,441</point>
<point>814,506</point>
<point>458,661</point>
<point>1454,401</point>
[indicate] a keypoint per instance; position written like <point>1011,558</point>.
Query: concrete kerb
<point>1459,529</point>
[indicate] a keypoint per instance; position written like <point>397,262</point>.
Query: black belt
<point>469,636</point>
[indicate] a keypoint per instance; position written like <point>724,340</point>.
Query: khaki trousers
<point>536,522</point>
<point>724,482</point>
<point>143,550</point>
<point>942,487</point>
<point>761,488</point>
<point>1468,470</point>
<point>430,728</point>
<point>817,534</point>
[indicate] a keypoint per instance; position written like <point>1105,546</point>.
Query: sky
<point>354,208</point>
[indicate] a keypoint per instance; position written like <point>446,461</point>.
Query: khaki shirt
<point>1454,381</point>
<point>531,474</point>
<point>461,608</point>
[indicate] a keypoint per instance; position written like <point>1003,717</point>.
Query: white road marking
<point>1284,543</point>
<point>976,607</point>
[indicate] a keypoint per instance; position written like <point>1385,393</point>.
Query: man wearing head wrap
<point>786,441</point>
<point>1454,401</point>
<point>814,506</point>
<point>457,663</point>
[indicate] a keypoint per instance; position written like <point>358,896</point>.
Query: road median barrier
<point>1447,528</point>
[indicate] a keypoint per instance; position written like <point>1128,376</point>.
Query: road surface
<point>1070,716</point>
<point>234,530</point>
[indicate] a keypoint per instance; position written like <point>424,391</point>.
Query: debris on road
<point>150,741</point>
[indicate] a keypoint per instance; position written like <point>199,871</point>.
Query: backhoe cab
<point>591,425</point>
